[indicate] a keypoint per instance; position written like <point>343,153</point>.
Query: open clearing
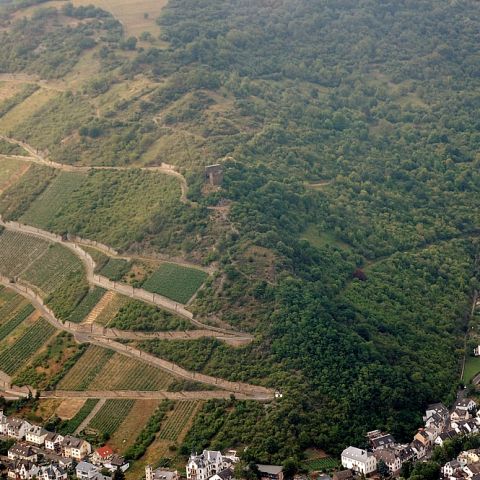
<point>20,112</point>
<point>69,408</point>
<point>129,429</point>
<point>131,14</point>
<point>472,367</point>
<point>10,171</point>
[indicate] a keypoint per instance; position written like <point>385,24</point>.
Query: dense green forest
<point>348,134</point>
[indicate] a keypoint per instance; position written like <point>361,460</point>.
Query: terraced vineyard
<point>175,282</point>
<point>87,304</point>
<point>18,251</point>
<point>124,373</point>
<point>176,421</point>
<point>52,199</point>
<point>14,320</point>
<point>111,415</point>
<point>14,357</point>
<point>68,427</point>
<point>90,364</point>
<point>50,272</point>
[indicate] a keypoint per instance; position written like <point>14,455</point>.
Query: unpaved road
<point>253,392</point>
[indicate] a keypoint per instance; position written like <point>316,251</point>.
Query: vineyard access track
<point>242,390</point>
<point>122,288</point>
<point>39,158</point>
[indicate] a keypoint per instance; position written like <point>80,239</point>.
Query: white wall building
<point>359,460</point>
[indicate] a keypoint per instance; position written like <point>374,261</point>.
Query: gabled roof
<point>270,469</point>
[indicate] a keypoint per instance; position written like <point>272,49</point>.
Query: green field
<point>14,356</point>
<point>322,464</point>
<point>50,202</point>
<point>472,367</point>
<point>112,207</point>
<point>175,282</point>
<point>111,415</point>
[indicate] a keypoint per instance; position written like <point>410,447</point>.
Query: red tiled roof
<point>105,451</point>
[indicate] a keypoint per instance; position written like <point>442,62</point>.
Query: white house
<point>86,471</point>
<point>472,469</point>
<point>3,423</point>
<point>359,460</point>
<point>476,351</point>
<point>17,428</point>
<point>450,468</point>
<point>53,442</point>
<point>36,435</point>
<point>204,466</point>
<point>466,404</point>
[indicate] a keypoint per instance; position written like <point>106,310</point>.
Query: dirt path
<point>89,417</point>
<point>58,86</point>
<point>251,391</point>
<point>142,395</point>
<point>38,157</point>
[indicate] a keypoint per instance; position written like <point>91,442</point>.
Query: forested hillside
<point>349,137</point>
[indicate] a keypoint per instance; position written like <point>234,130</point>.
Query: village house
<point>101,455</point>
<point>226,474</point>
<point>52,472</point>
<point>423,437</point>
<point>116,462</point>
<point>17,428</point>
<point>270,472</point>
<point>36,435</point>
<point>379,440</point>
<point>452,468</point>
<point>359,460</point>
<point>53,442</point>
<point>469,456</point>
<point>22,470</point>
<point>21,451</point>
<point>343,475</point>
<point>476,351</point>
<point>390,457</point>
<point>437,410</point>
<point>472,469</point>
<point>204,466</point>
<point>75,448</point>
<point>446,435</point>
<point>419,448</point>
<point>160,474</point>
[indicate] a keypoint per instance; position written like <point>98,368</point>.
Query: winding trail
<point>121,288</point>
<point>39,158</point>
<point>253,392</point>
